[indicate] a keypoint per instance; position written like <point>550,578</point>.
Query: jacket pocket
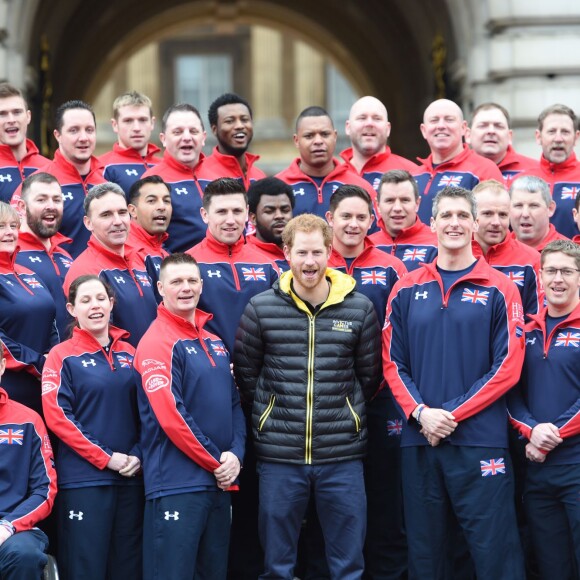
<point>264,416</point>
<point>354,416</point>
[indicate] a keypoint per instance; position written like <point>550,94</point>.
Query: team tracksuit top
<point>13,173</point>
<point>465,170</point>
<point>461,351</point>
<point>89,398</point>
<point>521,264</point>
<point>231,276</point>
<point>223,165</point>
<point>28,482</point>
<point>378,164</point>
<point>189,405</point>
<point>549,391</point>
<point>125,165</point>
<point>375,273</point>
<point>148,249</point>
<point>27,326</point>
<point>564,180</point>
<point>513,164</point>
<point>413,246</point>
<point>313,199</point>
<point>135,303</point>
<point>272,251</point>
<point>187,185</point>
<point>74,189</point>
<point>51,266</point>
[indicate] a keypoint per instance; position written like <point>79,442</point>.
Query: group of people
<point>204,345</point>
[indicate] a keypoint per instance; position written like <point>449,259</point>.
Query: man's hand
<point>545,436</point>
<point>4,534</point>
<point>132,466</point>
<point>118,461</point>
<point>534,454</point>
<point>433,441</point>
<point>229,469</point>
<point>437,423</point>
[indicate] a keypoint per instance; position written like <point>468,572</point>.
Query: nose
<point>397,206</point>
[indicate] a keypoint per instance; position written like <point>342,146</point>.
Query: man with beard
<point>107,219</point>
<point>271,202</point>
<point>19,156</point>
<point>315,174</point>
<point>41,204</point>
<point>369,128</point>
<point>230,119</point>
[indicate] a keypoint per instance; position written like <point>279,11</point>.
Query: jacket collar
<point>200,318</point>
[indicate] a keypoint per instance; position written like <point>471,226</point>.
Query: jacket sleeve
<point>239,425</point>
<point>20,357</point>
<point>248,353</point>
<point>368,353</point>
<point>58,404</point>
<point>569,422</point>
<point>41,482</point>
<point>162,384</point>
<point>507,350</point>
<point>396,360</point>
<point>532,296</point>
<point>518,412</point>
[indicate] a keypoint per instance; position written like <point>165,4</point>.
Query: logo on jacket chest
<point>342,325</point>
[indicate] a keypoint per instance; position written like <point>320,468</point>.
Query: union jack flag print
<point>125,361</point>
<point>475,296</point>
<point>255,274</point>
<point>413,254</point>
<point>570,192</point>
<point>517,277</point>
<point>373,277</point>
<point>450,180</point>
<point>492,467</point>
<point>568,339</point>
<point>144,279</point>
<point>11,436</point>
<point>395,427</point>
<point>218,349</point>
<point>33,282</point>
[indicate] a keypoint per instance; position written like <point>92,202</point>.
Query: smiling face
<point>561,283</point>
<point>180,286</point>
<point>109,221</point>
<point>308,258</point>
<point>9,226</point>
<point>454,225</point>
<point>14,121</point>
<point>398,206</point>
<point>557,137</point>
<point>273,212</point>
<point>315,140</point>
<point>226,217</point>
<point>92,307</point>
<point>530,216</point>
<point>77,137</point>
<point>368,126</point>
<point>493,217</point>
<point>489,134</point>
<point>234,129</point>
<point>184,137</point>
<point>152,210</point>
<point>43,208</point>
<point>133,126</point>
<point>350,222</point>
<point>443,128</point>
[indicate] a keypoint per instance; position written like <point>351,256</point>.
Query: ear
<point>287,253</point>
<point>204,215</point>
<point>423,130</point>
<point>70,309</point>
<point>160,288</point>
<point>552,208</point>
<point>329,218</point>
<point>114,125</point>
<point>296,141</point>
<point>214,129</point>
<point>132,210</point>
<point>162,139</point>
<point>432,224</point>
<point>87,222</point>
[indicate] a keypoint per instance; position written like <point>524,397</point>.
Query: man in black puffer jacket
<point>307,355</point>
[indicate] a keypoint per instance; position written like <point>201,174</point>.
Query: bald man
<point>368,128</point>
<point>451,162</point>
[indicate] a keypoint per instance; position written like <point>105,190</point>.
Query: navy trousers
<point>23,556</point>
<point>187,536</point>
<point>100,532</point>
<point>339,493</point>
<point>552,503</point>
<point>474,484</point>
